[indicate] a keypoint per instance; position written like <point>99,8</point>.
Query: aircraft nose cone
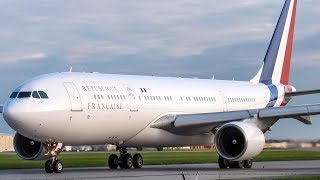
<point>10,114</point>
<point>16,116</point>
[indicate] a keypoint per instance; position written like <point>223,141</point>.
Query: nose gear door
<point>74,96</point>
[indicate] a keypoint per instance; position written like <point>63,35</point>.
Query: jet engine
<point>237,141</point>
<point>29,149</point>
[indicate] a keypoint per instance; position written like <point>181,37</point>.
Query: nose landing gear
<point>125,160</point>
<point>54,165</point>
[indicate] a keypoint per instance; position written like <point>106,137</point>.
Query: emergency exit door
<point>74,96</point>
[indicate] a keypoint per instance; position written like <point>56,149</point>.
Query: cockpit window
<point>24,94</point>
<point>35,94</point>
<point>13,95</point>
<point>43,95</point>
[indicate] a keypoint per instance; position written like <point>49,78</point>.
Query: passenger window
<point>24,94</point>
<point>43,95</point>
<point>13,95</point>
<point>35,94</point>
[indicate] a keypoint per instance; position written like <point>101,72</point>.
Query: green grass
<point>12,161</point>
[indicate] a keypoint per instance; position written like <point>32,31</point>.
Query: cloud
<point>33,56</point>
<point>11,57</point>
<point>182,28</point>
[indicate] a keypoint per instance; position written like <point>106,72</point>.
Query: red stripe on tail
<point>287,58</point>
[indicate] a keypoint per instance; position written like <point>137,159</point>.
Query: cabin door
<point>224,101</point>
<point>74,96</point>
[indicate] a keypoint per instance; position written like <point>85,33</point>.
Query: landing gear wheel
<point>57,166</point>
<point>223,163</point>
<point>113,161</point>
<point>247,163</point>
<point>137,161</point>
<point>48,167</point>
<point>238,164</point>
<point>127,161</point>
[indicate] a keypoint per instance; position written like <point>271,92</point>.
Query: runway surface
<point>173,172</point>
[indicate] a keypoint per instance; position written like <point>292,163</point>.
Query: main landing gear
<point>54,165</point>
<point>224,163</point>
<point>125,160</point>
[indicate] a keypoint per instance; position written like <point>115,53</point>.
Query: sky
<point>182,38</point>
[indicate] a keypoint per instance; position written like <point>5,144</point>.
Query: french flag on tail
<point>276,65</point>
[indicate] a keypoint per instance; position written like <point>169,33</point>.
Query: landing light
<point>53,153</point>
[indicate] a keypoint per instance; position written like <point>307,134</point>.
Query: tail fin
<point>276,64</point>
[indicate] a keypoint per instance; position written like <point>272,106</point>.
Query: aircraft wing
<point>1,108</point>
<point>192,124</point>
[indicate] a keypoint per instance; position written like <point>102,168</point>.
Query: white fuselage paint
<point>86,113</point>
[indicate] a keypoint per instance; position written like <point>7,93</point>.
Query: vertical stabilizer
<point>276,64</point>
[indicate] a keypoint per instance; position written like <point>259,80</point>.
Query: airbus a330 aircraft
<point>58,109</point>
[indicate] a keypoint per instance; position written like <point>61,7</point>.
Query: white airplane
<point>54,110</point>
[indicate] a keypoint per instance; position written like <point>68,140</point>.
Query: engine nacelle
<point>237,141</point>
<point>29,149</point>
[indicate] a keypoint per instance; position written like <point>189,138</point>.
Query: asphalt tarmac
<point>174,172</point>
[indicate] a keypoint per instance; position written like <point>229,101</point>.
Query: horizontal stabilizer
<point>299,93</point>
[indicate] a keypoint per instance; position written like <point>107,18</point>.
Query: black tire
<point>223,163</point>
<point>137,161</point>
<point>57,166</point>
<point>126,161</point>
<point>247,163</point>
<point>231,164</point>
<point>113,161</point>
<point>238,164</point>
<point>48,167</point>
